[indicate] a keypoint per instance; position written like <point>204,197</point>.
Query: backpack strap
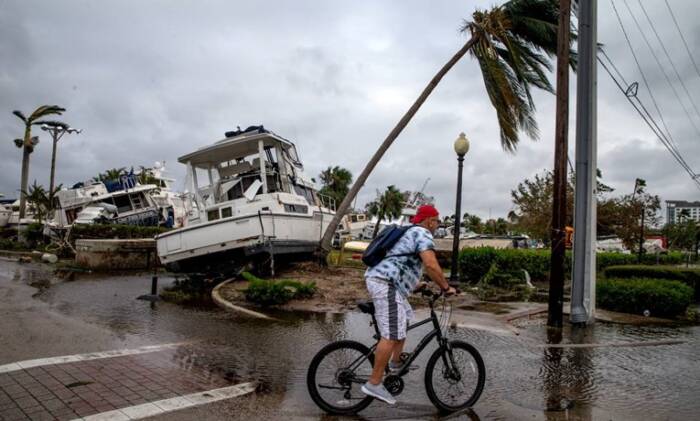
<point>402,254</point>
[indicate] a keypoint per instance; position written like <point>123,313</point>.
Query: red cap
<point>424,212</point>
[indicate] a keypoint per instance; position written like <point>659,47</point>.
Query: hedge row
<point>117,231</point>
<point>661,297</point>
<point>476,262</point>
<point>688,276</point>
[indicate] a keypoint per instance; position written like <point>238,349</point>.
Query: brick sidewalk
<point>74,390</point>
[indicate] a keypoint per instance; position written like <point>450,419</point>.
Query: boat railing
<point>326,201</point>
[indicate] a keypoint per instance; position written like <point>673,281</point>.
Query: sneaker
<point>378,391</point>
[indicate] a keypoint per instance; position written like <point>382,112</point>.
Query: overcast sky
<point>153,80</point>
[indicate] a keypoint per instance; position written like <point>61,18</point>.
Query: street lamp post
<point>461,148</point>
<point>57,130</point>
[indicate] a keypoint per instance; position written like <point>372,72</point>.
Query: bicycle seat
<point>366,307</point>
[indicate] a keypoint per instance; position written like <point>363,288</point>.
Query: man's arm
<point>434,271</point>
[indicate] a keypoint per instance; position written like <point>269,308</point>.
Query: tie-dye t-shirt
<point>404,271</point>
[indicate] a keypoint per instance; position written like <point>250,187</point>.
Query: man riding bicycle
<point>390,282</point>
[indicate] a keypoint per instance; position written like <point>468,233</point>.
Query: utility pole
<point>641,235</point>
<point>584,265</point>
<point>558,235</point>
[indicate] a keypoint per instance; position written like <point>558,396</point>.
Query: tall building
<point>675,208</point>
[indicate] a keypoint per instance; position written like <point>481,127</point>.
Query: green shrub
<point>670,258</point>
<point>688,276</point>
<point>34,234</point>
<point>11,244</point>
<point>271,292</point>
<point>663,298</point>
<point>118,231</point>
<point>607,259</point>
<point>476,262</point>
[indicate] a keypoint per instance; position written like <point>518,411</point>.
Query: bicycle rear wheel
<point>454,376</point>
<point>336,375</point>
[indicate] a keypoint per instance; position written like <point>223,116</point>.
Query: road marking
<point>22,365</point>
<point>173,404</point>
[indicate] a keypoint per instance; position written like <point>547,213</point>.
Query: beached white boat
<point>5,213</point>
<point>171,204</point>
<point>257,204</point>
<point>133,203</point>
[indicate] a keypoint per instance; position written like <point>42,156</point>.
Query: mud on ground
<point>339,289</point>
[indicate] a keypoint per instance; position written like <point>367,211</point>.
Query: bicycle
<point>340,368</point>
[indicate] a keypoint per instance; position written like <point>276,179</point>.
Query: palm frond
<point>45,110</point>
<point>514,46</point>
<point>20,114</point>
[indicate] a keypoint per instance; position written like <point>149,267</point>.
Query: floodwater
<point>525,379</point>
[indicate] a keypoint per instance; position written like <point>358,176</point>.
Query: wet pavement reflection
<point>525,379</point>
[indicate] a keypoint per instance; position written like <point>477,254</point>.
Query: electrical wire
<point>630,92</point>
<point>668,56</point>
<point>647,117</point>
<point>697,71</point>
<point>639,67</point>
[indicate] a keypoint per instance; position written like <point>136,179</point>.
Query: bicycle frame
<point>436,332</point>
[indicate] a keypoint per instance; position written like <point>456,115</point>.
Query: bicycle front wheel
<point>336,375</point>
<point>454,376</point>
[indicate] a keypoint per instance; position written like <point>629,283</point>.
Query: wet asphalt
<point>41,316</point>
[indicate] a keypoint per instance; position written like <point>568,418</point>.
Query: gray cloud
<point>153,80</point>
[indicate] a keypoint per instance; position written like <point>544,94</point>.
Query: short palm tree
<point>112,174</point>
<point>41,200</point>
<point>388,205</point>
<point>28,144</point>
<point>513,44</point>
<point>336,182</point>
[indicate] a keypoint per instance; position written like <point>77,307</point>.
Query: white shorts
<point>391,309</point>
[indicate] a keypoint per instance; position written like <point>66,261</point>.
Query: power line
<point>630,92</point>
<point>639,67</point>
<point>668,56</point>
<point>647,117</point>
<point>646,82</point>
<point>683,38</point>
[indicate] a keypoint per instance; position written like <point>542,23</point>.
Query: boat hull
<point>232,242</point>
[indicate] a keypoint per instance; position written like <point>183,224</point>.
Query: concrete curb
<point>223,303</point>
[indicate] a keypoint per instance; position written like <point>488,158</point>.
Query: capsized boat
<point>257,205</point>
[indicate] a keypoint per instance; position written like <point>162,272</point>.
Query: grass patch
<point>276,292</point>
<point>334,259</point>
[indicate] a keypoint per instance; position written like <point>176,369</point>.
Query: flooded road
<point>525,379</point>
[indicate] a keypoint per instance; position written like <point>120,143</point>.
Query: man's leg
<point>398,349</point>
<point>385,347</point>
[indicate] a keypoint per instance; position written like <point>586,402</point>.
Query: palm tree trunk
<point>325,245</point>
<point>556,275</point>
<point>376,227</point>
<point>25,174</point>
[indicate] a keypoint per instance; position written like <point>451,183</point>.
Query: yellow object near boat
<point>357,246</point>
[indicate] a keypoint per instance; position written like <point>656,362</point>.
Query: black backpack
<point>380,246</point>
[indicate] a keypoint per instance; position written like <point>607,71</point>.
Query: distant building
<point>674,208</point>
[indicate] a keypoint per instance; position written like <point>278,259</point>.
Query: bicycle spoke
<point>340,375</point>
<point>455,382</point>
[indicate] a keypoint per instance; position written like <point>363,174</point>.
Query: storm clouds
<point>152,80</point>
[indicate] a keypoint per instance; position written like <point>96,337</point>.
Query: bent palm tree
<point>28,145</point>
<point>513,44</point>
